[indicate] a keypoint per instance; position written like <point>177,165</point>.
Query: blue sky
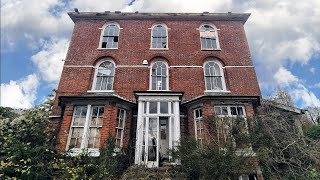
<point>283,37</point>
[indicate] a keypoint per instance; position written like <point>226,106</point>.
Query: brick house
<point>149,79</point>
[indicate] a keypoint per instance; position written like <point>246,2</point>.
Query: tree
<point>283,97</point>
<point>283,150</point>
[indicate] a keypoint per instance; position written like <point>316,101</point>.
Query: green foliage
<point>223,155</point>
<point>27,151</point>
<point>143,173</point>
<point>7,112</point>
<point>313,132</point>
<point>26,146</point>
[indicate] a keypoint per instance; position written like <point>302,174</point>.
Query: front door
<point>158,130</point>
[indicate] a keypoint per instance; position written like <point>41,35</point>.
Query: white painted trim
<point>132,66</point>
<point>186,66</point>
<point>164,25</point>
<point>238,67</point>
<point>100,91</point>
<point>159,49</point>
<point>217,91</point>
<point>55,116</point>
<point>107,48</point>
<point>167,71</point>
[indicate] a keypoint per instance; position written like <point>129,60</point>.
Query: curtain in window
<point>105,76</point>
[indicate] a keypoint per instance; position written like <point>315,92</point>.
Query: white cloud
<point>307,97</point>
<point>21,93</point>
<point>180,6</point>
<point>278,31</point>
<point>284,77</point>
<point>30,20</point>
<point>312,70</point>
<point>49,59</point>
<point>317,85</point>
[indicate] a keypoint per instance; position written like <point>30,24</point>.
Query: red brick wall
<point>134,43</point>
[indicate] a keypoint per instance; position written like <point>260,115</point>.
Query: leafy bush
<point>27,151</point>
<point>313,132</point>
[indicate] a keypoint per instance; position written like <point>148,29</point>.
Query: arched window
<point>209,37</point>
<point>104,76</point>
<point>159,37</point>
<point>159,76</point>
<point>214,78</point>
<point>109,36</point>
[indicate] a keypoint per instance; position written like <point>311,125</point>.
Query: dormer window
<point>159,37</point>
<point>159,76</point>
<point>104,76</point>
<point>209,37</point>
<point>109,36</point>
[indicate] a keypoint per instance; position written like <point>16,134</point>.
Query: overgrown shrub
<point>27,151</point>
<point>313,132</point>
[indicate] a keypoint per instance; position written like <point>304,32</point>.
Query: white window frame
<point>104,27</point>
<point>93,89</point>
<point>224,88</point>
<point>122,129</point>
<point>85,135</point>
<point>229,115</point>
<point>167,76</point>
<point>200,120</point>
<point>167,38</point>
<point>215,31</point>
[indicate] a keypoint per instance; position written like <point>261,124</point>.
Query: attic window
<point>209,37</point>
<point>110,36</point>
<point>159,39</point>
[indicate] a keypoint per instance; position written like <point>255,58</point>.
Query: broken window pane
<point>110,36</point>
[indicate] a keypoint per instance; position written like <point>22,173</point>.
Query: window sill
<point>210,49</point>
<point>159,49</point>
<point>101,49</point>
<point>159,90</point>
<point>217,91</point>
<point>100,91</point>
<point>90,152</point>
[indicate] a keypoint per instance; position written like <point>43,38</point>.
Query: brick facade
<point>184,57</point>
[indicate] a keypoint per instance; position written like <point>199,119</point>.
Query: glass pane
<point>240,111</point>
<point>224,111</point>
<point>218,83</point>
<point>217,110</point>
<point>81,121</point>
<point>233,111</point>
<point>208,83</point>
<point>153,124</point>
<point>118,135</point>
<point>214,44</point>
<point>152,151</point>
<point>197,113</point>
<point>76,137</point>
<point>203,43</point>
<point>153,107</point>
<point>164,107</point>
